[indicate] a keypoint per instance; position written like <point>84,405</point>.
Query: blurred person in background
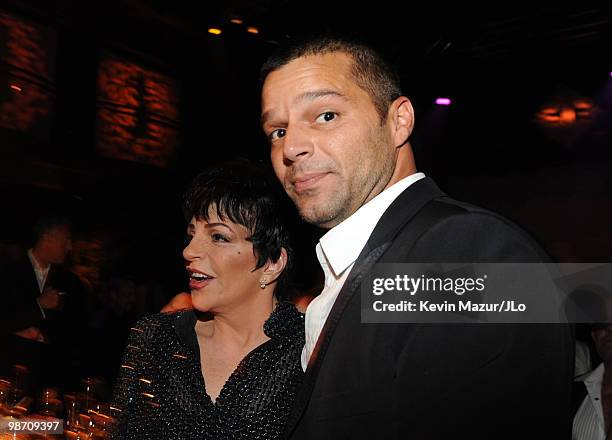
<point>43,307</point>
<point>593,391</point>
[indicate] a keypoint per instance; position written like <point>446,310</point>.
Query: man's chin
<point>316,216</point>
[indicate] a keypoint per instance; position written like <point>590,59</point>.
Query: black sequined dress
<point>161,393</point>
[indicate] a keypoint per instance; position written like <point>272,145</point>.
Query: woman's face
<point>220,260</point>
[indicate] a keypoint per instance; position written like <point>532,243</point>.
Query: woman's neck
<point>240,327</point>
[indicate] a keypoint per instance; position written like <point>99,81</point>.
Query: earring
<point>262,283</point>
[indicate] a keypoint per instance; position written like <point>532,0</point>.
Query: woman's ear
<point>272,270</point>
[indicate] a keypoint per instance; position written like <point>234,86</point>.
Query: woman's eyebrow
<point>211,225</point>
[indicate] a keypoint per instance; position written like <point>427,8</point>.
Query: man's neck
<point>42,262</point>
<point>404,165</point>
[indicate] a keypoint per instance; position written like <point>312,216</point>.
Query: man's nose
<point>297,144</point>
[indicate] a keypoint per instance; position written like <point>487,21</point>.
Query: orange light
<point>237,20</point>
<point>214,31</point>
<point>14,87</point>
<point>252,30</point>
<point>567,116</point>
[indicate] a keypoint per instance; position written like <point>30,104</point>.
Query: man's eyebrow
<point>316,94</point>
<point>308,96</point>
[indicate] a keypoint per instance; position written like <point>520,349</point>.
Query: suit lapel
<point>393,220</point>
<point>29,274</point>
<point>50,275</point>
<point>361,267</point>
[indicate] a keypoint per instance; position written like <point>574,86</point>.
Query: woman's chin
<point>201,301</point>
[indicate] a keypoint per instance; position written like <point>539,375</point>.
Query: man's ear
<point>272,270</point>
<point>401,120</point>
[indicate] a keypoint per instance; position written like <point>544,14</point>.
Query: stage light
<point>237,20</point>
<point>14,87</point>
<point>443,101</point>
<point>214,31</point>
<point>252,30</point>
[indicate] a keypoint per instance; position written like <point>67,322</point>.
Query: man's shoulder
<point>69,274</point>
<point>459,229</point>
<point>423,207</point>
<point>453,210</point>
<point>20,262</point>
<point>64,279</point>
<point>17,268</point>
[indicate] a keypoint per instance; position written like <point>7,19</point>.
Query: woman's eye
<point>277,134</point>
<point>326,117</point>
<point>219,237</point>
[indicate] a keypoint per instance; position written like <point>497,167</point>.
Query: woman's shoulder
<point>151,326</point>
<point>285,322</point>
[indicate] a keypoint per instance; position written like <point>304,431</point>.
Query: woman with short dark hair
<point>230,368</point>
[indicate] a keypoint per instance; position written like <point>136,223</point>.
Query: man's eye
<point>278,133</point>
<point>326,117</point>
<point>219,237</point>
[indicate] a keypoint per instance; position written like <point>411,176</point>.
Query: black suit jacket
<point>435,381</point>
<point>19,291</point>
<point>64,330</point>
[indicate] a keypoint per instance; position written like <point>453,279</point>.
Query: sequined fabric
<point>161,392</point>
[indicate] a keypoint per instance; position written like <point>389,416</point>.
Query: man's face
<point>58,242</point>
<point>602,336</point>
<point>329,148</point>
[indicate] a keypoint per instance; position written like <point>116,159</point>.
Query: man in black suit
<point>338,126</point>
<point>42,305</point>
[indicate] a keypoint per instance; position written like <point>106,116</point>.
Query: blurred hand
<point>49,299</point>
<point>31,333</point>
<point>179,302</point>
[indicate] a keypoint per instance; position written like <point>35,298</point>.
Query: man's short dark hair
<point>370,70</point>
<point>246,193</point>
<point>48,223</point>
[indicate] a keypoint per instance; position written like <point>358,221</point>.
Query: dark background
<point>500,64</point>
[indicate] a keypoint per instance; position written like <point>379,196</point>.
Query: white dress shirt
<point>582,359</point>
<point>41,273</point>
<point>41,277</point>
<point>589,420</point>
<point>337,251</point>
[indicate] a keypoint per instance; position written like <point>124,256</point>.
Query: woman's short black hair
<point>246,193</point>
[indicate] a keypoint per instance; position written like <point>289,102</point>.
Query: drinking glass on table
<point>92,388</point>
<point>6,393</point>
<point>22,379</point>
<point>75,405</point>
<point>49,403</point>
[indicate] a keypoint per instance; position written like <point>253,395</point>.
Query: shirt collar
<point>341,245</point>
<point>36,264</point>
<point>594,377</point>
